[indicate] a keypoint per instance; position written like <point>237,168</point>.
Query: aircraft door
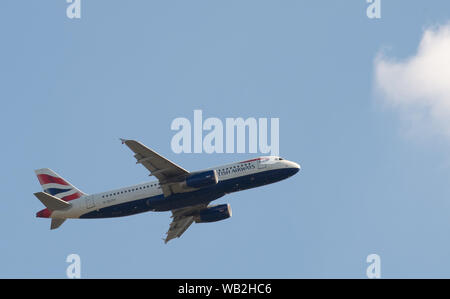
<point>262,163</point>
<point>90,202</point>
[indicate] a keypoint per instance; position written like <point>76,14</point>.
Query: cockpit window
<point>281,159</point>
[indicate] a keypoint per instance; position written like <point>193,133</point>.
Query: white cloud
<point>419,87</point>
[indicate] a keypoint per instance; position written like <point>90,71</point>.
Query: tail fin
<point>55,185</point>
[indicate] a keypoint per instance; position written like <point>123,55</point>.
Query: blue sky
<point>71,88</point>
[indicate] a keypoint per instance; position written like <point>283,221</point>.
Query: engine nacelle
<point>202,179</point>
<point>213,214</point>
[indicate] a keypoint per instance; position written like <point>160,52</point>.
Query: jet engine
<point>213,214</point>
<point>202,179</point>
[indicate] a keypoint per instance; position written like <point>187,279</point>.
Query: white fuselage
<point>229,172</point>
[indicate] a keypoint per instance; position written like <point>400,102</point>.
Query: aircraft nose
<point>296,167</point>
<point>293,167</point>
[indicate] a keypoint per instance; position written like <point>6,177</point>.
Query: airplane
<point>186,194</point>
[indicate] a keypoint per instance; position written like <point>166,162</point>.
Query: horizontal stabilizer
<point>56,222</point>
<point>51,202</point>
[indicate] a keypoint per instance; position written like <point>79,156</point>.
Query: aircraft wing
<point>163,169</point>
<point>182,219</point>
